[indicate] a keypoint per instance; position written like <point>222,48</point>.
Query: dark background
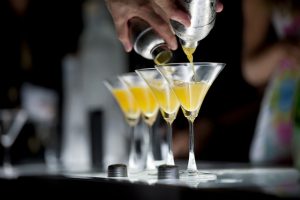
<point>50,30</point>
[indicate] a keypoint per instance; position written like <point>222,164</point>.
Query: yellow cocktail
<point>128,105</point>
<point>166,99</point>
<point>189,51</point>
<point>146,102</point>
<point>191,96</point>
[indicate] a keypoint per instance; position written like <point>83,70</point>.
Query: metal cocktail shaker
<point>147,43</point>
<point>203,14</point>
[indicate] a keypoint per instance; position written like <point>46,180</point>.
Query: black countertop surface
<point>232,180</point>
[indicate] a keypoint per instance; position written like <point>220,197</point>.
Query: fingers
<point>123,35</point>
<point>180,16</point>
<point>170,7</point>
<point>156,12</point>
<point>219,6</point>
<point>123,11</point>
<point>119,13</point>
<point>160,26</point>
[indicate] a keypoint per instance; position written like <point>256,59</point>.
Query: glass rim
<point>109,79</point>
<point>111,82</point>
<point>127,74</point>
<point>188,63</point>
<point>145,69</point>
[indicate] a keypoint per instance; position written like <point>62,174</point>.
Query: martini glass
<point>131,112</point>
<point>149,107</point>
<point>190,83</point>
<point>168,103</point>
<point>11,124</point>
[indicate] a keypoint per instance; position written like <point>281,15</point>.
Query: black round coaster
<point>117,170</point>
<point>168,172</point>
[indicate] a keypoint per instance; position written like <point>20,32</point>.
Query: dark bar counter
<point>233,181</point>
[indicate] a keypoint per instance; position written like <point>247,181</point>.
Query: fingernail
<point>127,47</point>
<point>172,30</point>
<point>188,23</point>
<point>173,46</point>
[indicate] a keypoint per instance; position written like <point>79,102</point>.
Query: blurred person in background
<point>271,63</point>
<point>35,36</point>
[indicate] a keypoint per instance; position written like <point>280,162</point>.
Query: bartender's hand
<point>156,12</point>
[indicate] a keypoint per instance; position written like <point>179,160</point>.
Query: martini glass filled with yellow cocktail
<point>167,101</point>
<point>131,112</point>
<point>190,83</point>
<point>149,108</point>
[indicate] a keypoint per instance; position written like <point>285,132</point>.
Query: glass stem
<point>150,159</point>
<point>132,162</point>
<point>6,160</point>
<point>170,157</point>
<point>192,167</point>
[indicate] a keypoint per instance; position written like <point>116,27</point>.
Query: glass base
<point>9,172</point>
<point>196,174</point>
<point>156,164</point>
<point>152,172</point>
<point>146,176</point>
<point>134,165</point>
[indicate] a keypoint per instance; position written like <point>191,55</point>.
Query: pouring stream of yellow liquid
<point>189,54</point>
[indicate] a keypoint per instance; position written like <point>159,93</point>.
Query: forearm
<point>257,69</point>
